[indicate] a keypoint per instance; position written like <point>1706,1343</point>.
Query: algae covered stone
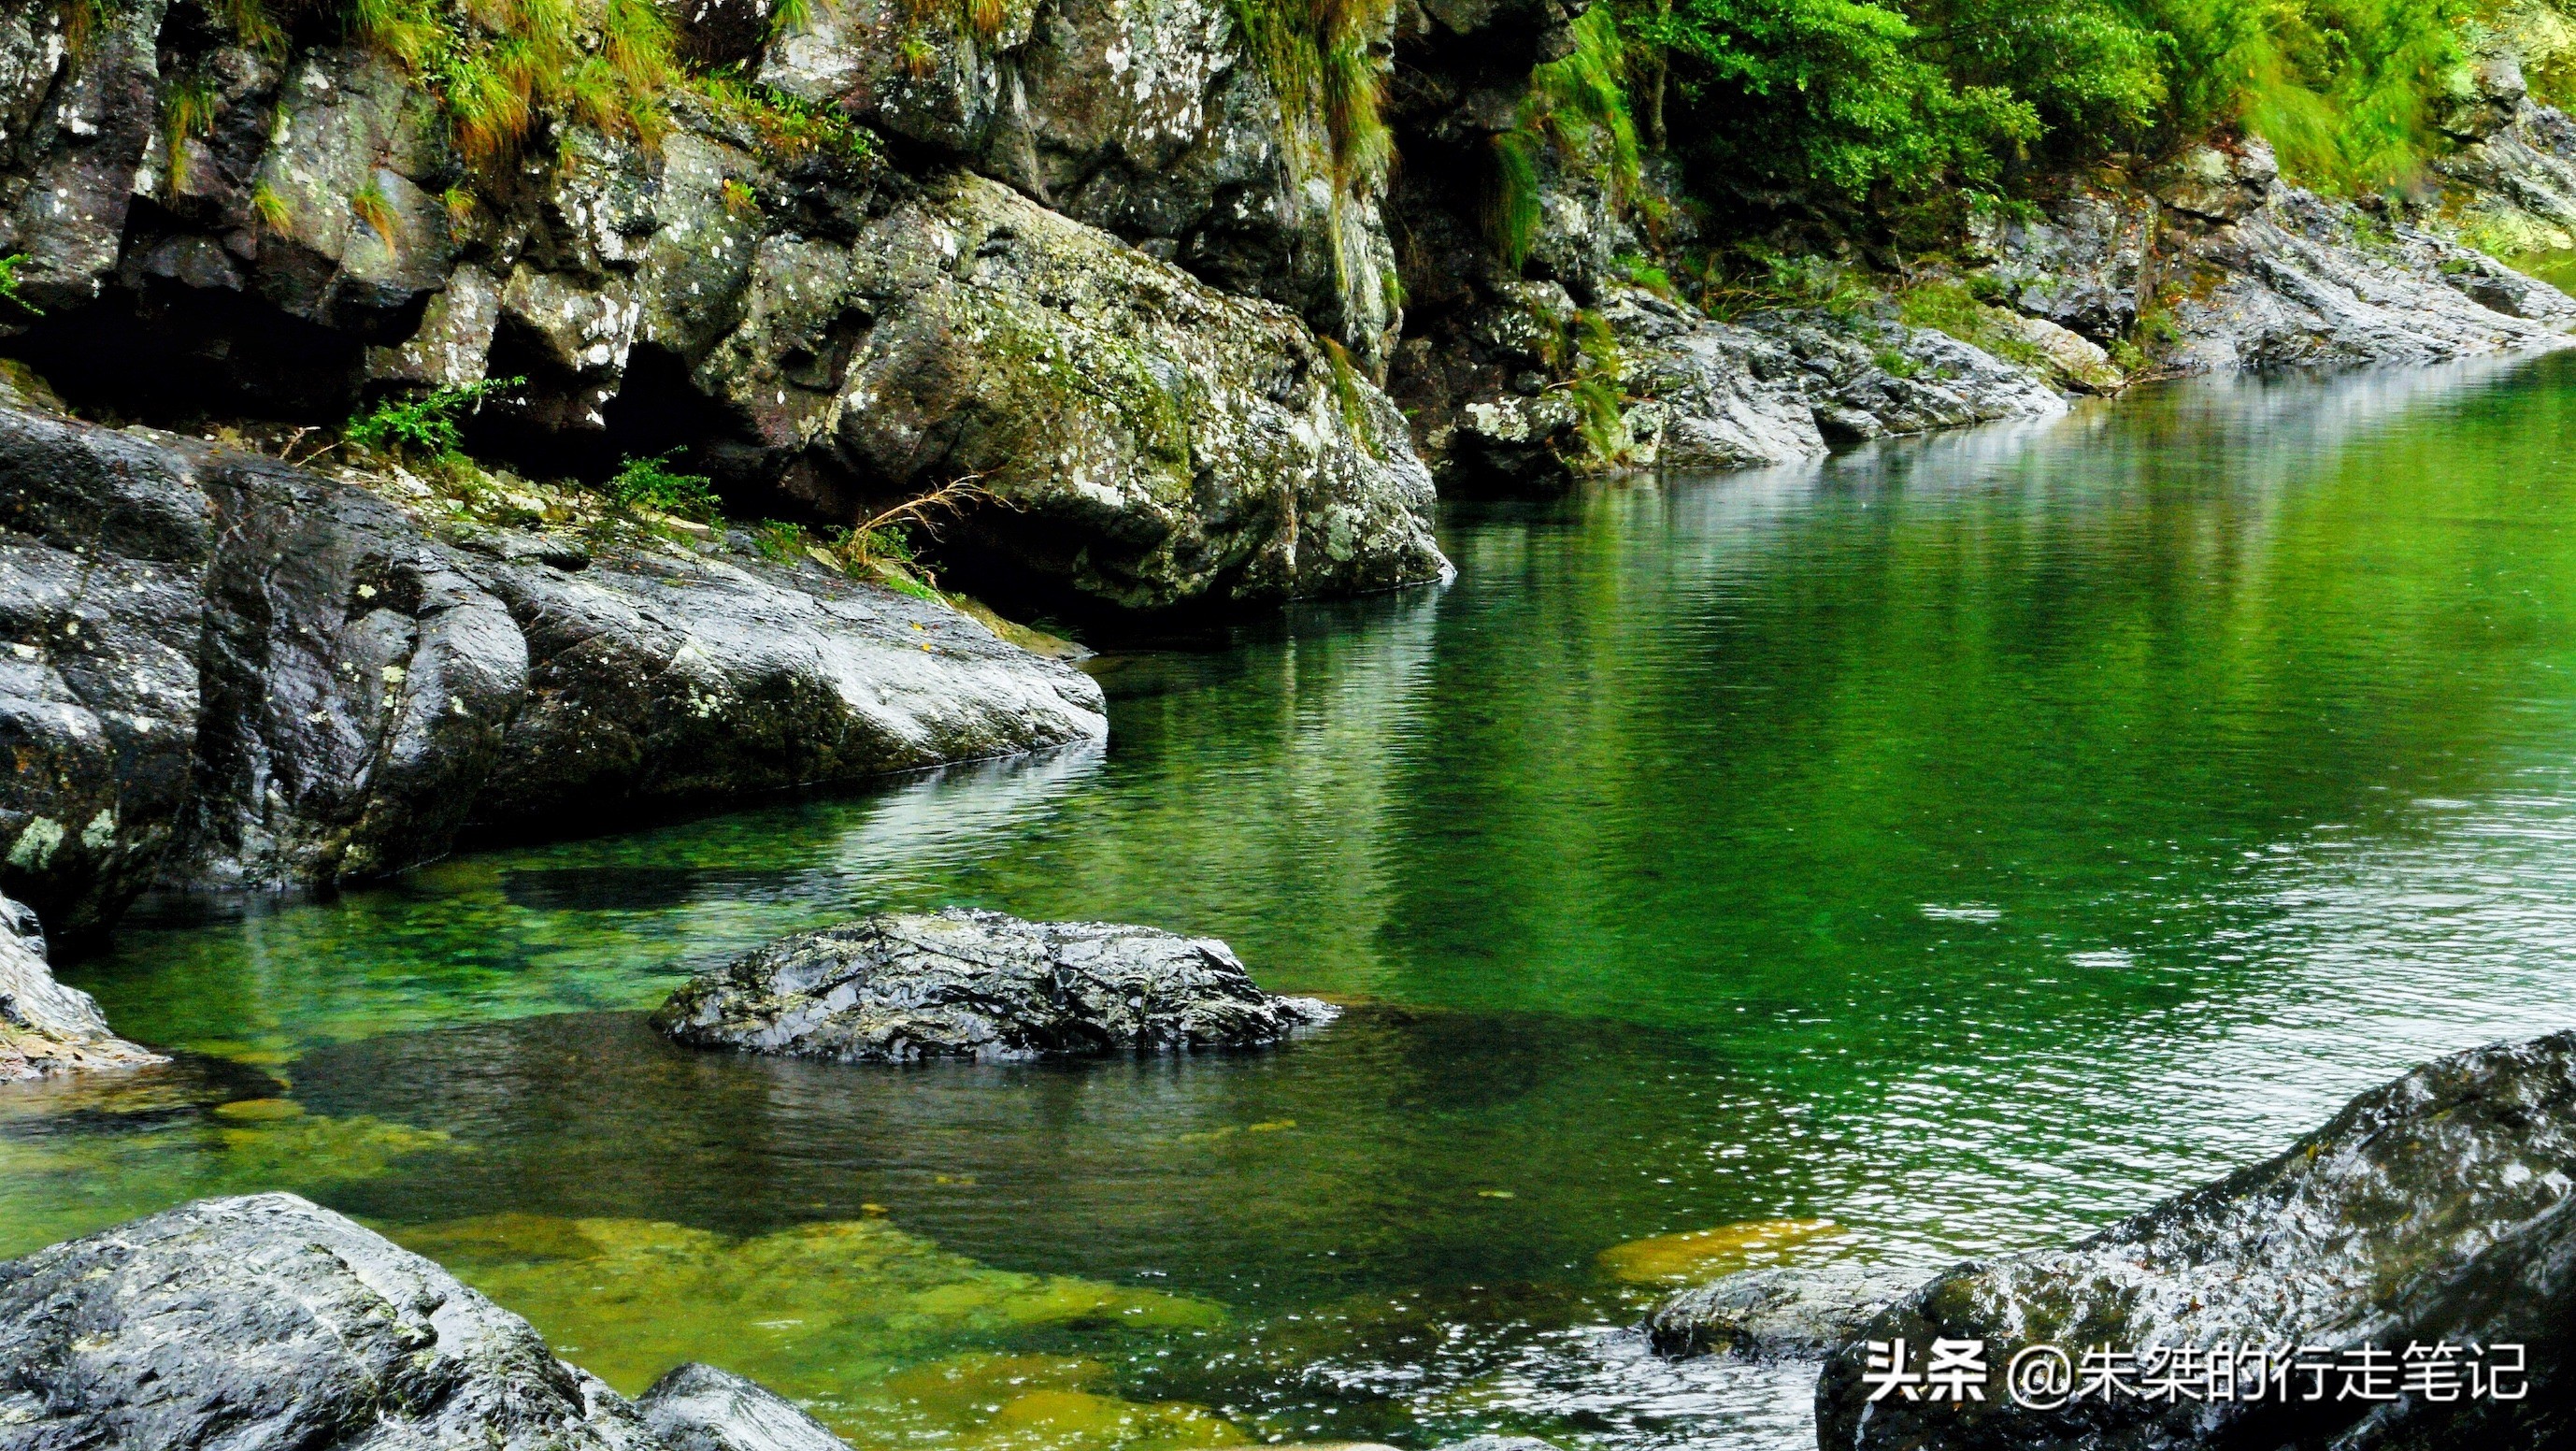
<point>981,985</point>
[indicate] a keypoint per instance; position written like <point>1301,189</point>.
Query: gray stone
<point>108,541</point>
<point>266,1321</point>
<point>222,671</point>
<point>973,984</point>
<point>1776,1313</point>
<point>668,677</point>
<point>2434,1208</point>
<point>700,1408</point>
<point>45,1027</point>
<point>1152,442</point>
<point>2311,282</point>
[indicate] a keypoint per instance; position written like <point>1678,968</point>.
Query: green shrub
<point>651,483</point>
<point>427,429</point>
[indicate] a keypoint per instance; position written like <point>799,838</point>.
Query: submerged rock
<point>971,984</point>
<point>45,1027</point>
<point>268,1321</point>
<point>700,1408</point>
<point>1776,1313</point>
<point>2435,1210</point>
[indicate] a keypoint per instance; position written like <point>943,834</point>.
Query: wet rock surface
<point>46,1028</point>
<point>981,985</point>
<point>700,1408</point>
<point>1775,1313</point>
<point>266,1320</point>
<point>2432,1209</point>
<point>228,672</point>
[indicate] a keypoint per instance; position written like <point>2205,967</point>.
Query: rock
<point>1152,442</point>
<point>1710,396</point>
<point>267,1321</point>
<point>45,1027</point>
<point>2314,282</point>
<point>662,678</point>
<point>2431,1209</point>
<point>2512,190</point>
<point>228,672</point>
<point>2086,264</point>
<point>700,1408</point>
<point>107,545</point>
<point>1156,122</point>
<point>1775,1313</point>
<point>2220,180</point>
<point>973,984</point>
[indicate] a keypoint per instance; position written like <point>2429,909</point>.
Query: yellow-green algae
<point>882,1334</point>
<point>58,1186</point>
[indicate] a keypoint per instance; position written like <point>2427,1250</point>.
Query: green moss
<point>1951,308</point>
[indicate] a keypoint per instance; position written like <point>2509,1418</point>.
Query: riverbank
<point>1783,835</point>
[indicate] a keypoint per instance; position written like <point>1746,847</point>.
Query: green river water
<point>1964,842</point>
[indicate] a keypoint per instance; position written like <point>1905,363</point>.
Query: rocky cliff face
<point>1523,364</point>
<point>223,671</point>
<point>1124,348</point>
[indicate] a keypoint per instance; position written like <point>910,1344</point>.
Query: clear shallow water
<point>1965,842</point>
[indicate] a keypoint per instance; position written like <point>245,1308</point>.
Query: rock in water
<point>969,984</point>
<point>268,1321</point>
<point>1777,1313</point>
<point>700,1408</point>
<point>2432,1210</point>
<point>46,1027</point>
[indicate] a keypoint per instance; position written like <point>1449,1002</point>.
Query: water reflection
<point>1965,840</point>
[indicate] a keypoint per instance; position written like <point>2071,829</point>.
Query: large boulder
<point>229,672</point>
<point>45,1027</point>
<point>750,284</point>
<point>2433,1212</point>
<point>1148,440</point>
<point>972,984</point>
<point>266,1321</point>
